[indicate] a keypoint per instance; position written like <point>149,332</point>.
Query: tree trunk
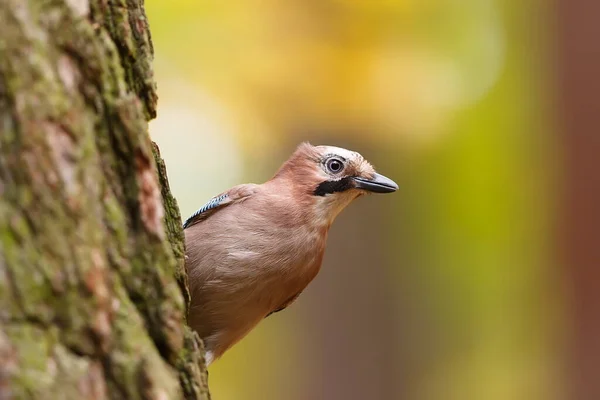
<point>93,289</point>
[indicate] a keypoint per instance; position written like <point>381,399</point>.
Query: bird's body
<point>252,250</point>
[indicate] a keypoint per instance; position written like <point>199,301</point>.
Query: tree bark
<point>93,291</point>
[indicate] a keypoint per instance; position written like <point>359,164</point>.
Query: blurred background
<point>478,278</point>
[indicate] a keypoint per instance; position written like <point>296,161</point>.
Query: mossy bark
<point>93,289</point>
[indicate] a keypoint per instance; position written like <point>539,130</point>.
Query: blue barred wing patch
<point>212,203</point>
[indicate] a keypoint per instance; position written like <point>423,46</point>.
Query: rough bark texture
<point>92,282</point>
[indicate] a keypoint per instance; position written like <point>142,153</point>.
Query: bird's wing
<point>285,304</point>
<point>233,195</point>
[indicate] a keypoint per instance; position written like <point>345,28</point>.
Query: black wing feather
<point>212,203</point>
<point>286,304</point>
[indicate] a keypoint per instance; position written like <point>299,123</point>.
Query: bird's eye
<point>334,165</point>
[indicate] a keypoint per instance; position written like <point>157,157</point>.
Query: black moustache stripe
<point>328,187</point>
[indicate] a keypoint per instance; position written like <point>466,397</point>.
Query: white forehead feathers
<point>344,153</point>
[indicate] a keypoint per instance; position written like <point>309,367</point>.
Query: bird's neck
<point>296,201</point>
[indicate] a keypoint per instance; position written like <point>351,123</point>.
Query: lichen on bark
<point>92,285</point>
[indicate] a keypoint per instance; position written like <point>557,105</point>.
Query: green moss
<point>32,348</point>
<point>173,226</point>
<point>87,293</point>
<point>193,378</point>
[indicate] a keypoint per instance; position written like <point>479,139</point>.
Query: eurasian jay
<point>252,250</point>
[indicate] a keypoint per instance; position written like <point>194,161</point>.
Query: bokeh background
<point>463,284</point>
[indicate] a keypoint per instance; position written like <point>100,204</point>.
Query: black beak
<point>377,184</point>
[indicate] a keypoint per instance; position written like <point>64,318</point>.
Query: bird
<point>252,250</point>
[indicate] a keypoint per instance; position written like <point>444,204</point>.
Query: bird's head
<point>328,178</point>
